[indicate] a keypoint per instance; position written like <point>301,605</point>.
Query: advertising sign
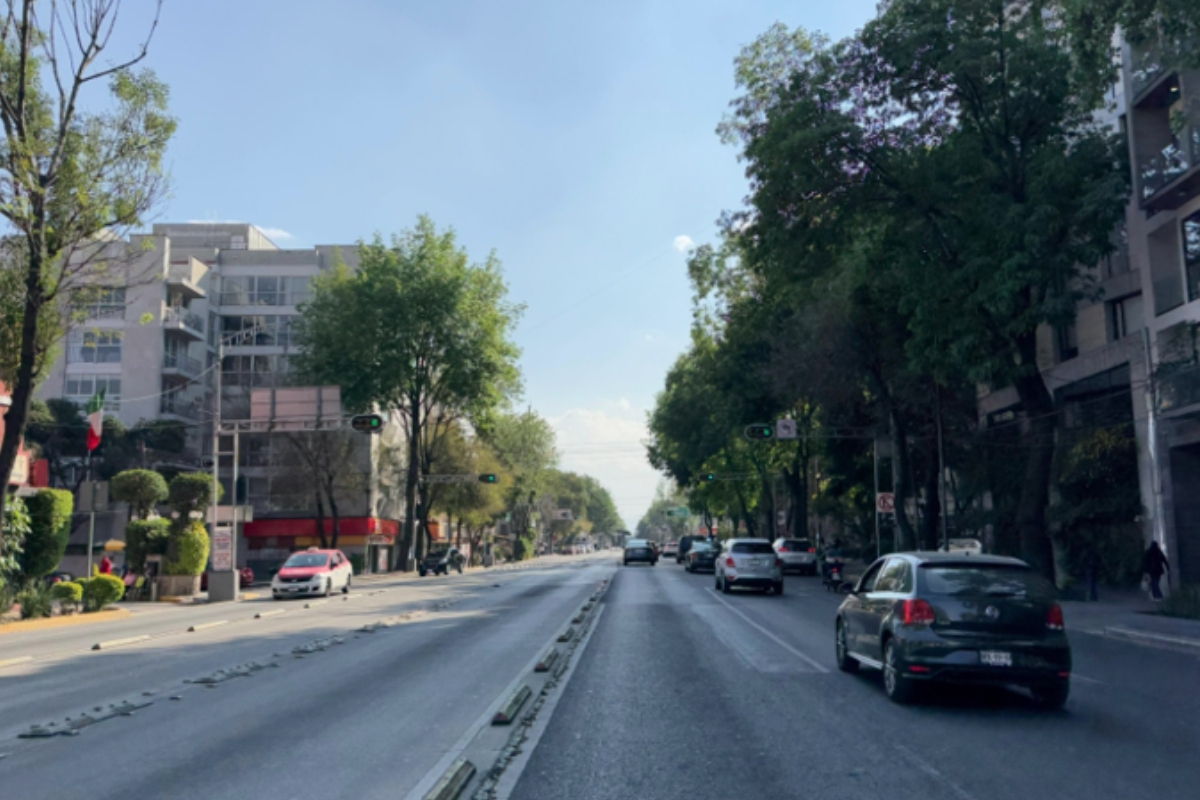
<point>222,550</point>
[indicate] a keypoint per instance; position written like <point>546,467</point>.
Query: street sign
<point>786,429</point>
<point>682,511</point>
<point>563,513</point>
<point>222,549</point>
<point>379,539</point>
<point>760,432</point>
<point>93,496</point>
<point>885,503</point>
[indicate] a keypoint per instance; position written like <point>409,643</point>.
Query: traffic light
<point>487,477</point>
<point>760,432</point>
<point>367,423</point>
<point>708,476</point>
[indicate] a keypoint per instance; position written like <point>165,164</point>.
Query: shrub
<point>12,537</point>
<point>145,537</point>
<point>190,546</point>
<point>141,488</point>
<point>189,492</point>
<point>102,590</point>
<point>356,563</point>
<point>49,529</point>
<point>522,549</point>
<point>66,592</point>
<point>35,601</point>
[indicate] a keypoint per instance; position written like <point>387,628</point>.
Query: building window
<point>81,388</point>
<point>1126,316</point>
<point>272,331</point>
<point>264,290</point>
<point>1068,342</point>
<point>94,347</point>
<point>253,370</point>
<point>1191,254</point>
<point>108,304</point>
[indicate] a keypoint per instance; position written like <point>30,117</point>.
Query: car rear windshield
<point>992,580</point>
<point>307,560</point>
<point>760,548</point>
<point>798,544</point>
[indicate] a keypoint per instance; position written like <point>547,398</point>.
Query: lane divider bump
<point>512,705</point>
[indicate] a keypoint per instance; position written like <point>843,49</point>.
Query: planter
<point>178,585</point>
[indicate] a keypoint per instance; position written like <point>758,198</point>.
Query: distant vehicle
<point>685,544</point>
<point>640,550</point>
<point>700,556</point>
<point>798,555</point>
<point>670,550</point>
<point>749,563</point>
<point>441,561</point>
<point>312,571</point>
<point>972,547</point>
<point>945,617</point>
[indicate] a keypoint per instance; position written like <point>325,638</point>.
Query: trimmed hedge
<point>141,488</point>
<point>190,492</point>
<point>49,529</point>
<point>190,545</point>
<point>101,591</point>
<point>145,537</point>
<point>66,592</point>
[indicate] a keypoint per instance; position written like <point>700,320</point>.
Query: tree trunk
<point>321,520</point>
<point>22,389</point>
<point>333,513</point>
<point>933,502</point>
<point>403,562</point>
<point>1038,406</point>
<point>906,537</point>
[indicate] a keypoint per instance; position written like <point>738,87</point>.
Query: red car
<point>246,577</point>
<point>312,571</point>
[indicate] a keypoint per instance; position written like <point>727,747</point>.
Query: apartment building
<point>1132,355</point>
<point>151,341</point>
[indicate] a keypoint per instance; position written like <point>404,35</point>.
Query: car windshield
<point>307,560</point>
<point>986,580</point>
<point>758,548</point>
<point>796,544</point>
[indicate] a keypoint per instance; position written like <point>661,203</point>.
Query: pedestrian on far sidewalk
<point>105,565</point>
<point>1154,564</point>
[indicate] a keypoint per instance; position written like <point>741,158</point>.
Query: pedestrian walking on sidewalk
<point>1154,564</point>
<point>105,565</point>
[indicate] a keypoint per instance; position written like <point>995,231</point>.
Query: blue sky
<point>575,139</point>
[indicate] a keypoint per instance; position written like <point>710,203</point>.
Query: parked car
<point>798,555</point>
<point>966,547</point>
<point>312,571</point>
<point>927,618</point>
<point>640,550</point>
<point>245,578</point>
<point>670,550</point>
<point>701,555</point>
<point>749,563</point>
<point>685,544</point>
<point>441,561</point>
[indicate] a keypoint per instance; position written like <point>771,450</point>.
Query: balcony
<point>177,365</point>
<point>182,321</point>
<point>183,408</point>
<point>1171,177</point>
<point>1180,389</point>
<point>184,278</point>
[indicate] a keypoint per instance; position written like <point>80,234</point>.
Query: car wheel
<point>1051,695</point>
<point>625,564</point>
<point>346,588</point>
<point>842,653</point>
<point>898,689</point>
<point>460,569</point>
<point>716,580</point>
<point>725,587</point>
<point>328,587</point>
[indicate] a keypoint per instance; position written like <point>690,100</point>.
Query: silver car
<point>798,555</point>
<point>749,562</point>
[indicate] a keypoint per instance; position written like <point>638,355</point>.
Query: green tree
<point>187,550</point>
<point>49,530</point>
<point>70,173</point>
<point>525,444</point>
<point>145,537</point>
<point>142,489</point>
<point>447,358</point>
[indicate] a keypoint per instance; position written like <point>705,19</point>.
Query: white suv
<point>749,562</point>
<point>798,555</point>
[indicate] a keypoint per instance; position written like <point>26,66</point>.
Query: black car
<point>440,562</point>
<point>944,617</point>
<point>701,556</point>
<point>640,550</point>
<point>685,544</point>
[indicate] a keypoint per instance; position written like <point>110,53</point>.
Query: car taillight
<point>812,549</point>
<point>783,549</point>
<point>729,561</point>
<point>1054,618</point>
<point>918,612</point>
<point>779,562</point>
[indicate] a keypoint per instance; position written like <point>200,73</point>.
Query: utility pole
<point>941,469</point>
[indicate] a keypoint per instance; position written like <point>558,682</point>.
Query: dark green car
<point>926,618</point>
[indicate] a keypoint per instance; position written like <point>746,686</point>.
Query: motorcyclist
<point>833,558</point>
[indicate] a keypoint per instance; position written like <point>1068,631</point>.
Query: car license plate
<point>995,658</point>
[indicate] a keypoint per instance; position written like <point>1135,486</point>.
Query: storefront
<point>369,542</point>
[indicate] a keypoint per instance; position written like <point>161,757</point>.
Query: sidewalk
<point>1130,615</point>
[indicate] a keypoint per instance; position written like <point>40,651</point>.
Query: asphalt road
<point>672,691</point>
<point>686,693</point>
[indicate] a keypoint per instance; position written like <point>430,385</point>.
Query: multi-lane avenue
<point>670,690</point>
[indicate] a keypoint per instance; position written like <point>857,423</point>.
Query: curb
<point>511,706</point>
<point>450,785</point>
<point>58,622</point>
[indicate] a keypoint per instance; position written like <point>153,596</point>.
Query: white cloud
<point>609,447</point>
<point>649,338</point>
<point>275,233</point>
<point>683,243</point>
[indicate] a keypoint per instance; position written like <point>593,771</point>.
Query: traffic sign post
<point>786,429</point>
<point>885,503</point>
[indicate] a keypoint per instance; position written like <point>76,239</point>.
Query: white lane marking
<point>1153,636</point>
<point>1075,676</point>
<point>10,662</point>
<point>810,661</point>
<point>425,784</point>
<point>929,770</point>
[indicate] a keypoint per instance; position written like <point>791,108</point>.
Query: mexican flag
<point>95,415</point>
